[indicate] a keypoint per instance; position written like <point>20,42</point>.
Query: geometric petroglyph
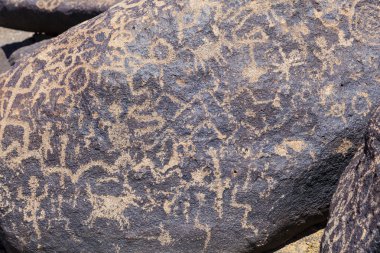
<point>365,22</point>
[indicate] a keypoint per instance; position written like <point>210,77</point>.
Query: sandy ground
<point>308,244</point>
<point>12,40</point>
<point>9,36</point>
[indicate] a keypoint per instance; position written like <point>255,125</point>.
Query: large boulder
<point>185,126</point>
<point>355,208</point>
<point>49,16</point>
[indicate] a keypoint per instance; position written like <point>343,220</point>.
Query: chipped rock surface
<point>49,16</point>
<point>185,126</point>
<point>355,208</point>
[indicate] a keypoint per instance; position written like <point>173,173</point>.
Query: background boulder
<point>49,16</point>
<point>355,208</point>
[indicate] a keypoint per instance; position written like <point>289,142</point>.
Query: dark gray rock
<point>355,208</point>
<point>4,63</point>
<point>49,16</point>
<point>185,126</point>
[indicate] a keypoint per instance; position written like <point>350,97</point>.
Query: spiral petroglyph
<point>365,22</point>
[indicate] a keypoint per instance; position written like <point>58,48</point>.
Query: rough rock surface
<point>185,126</point>
<point>49,16</point>
<point>355,209</point>
<point>4,63</point>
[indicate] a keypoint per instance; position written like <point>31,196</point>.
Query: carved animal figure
<point>355,208</point>
<point>218,126</point>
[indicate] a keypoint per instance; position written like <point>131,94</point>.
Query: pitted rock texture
<point>355,209</point>
<point>185,126</point>
<point>49,16</point>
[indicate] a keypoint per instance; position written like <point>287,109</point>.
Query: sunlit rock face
<point>185,126</point>
<point>4,64</point>
<point>49,16</point>
<point>355,209</point>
